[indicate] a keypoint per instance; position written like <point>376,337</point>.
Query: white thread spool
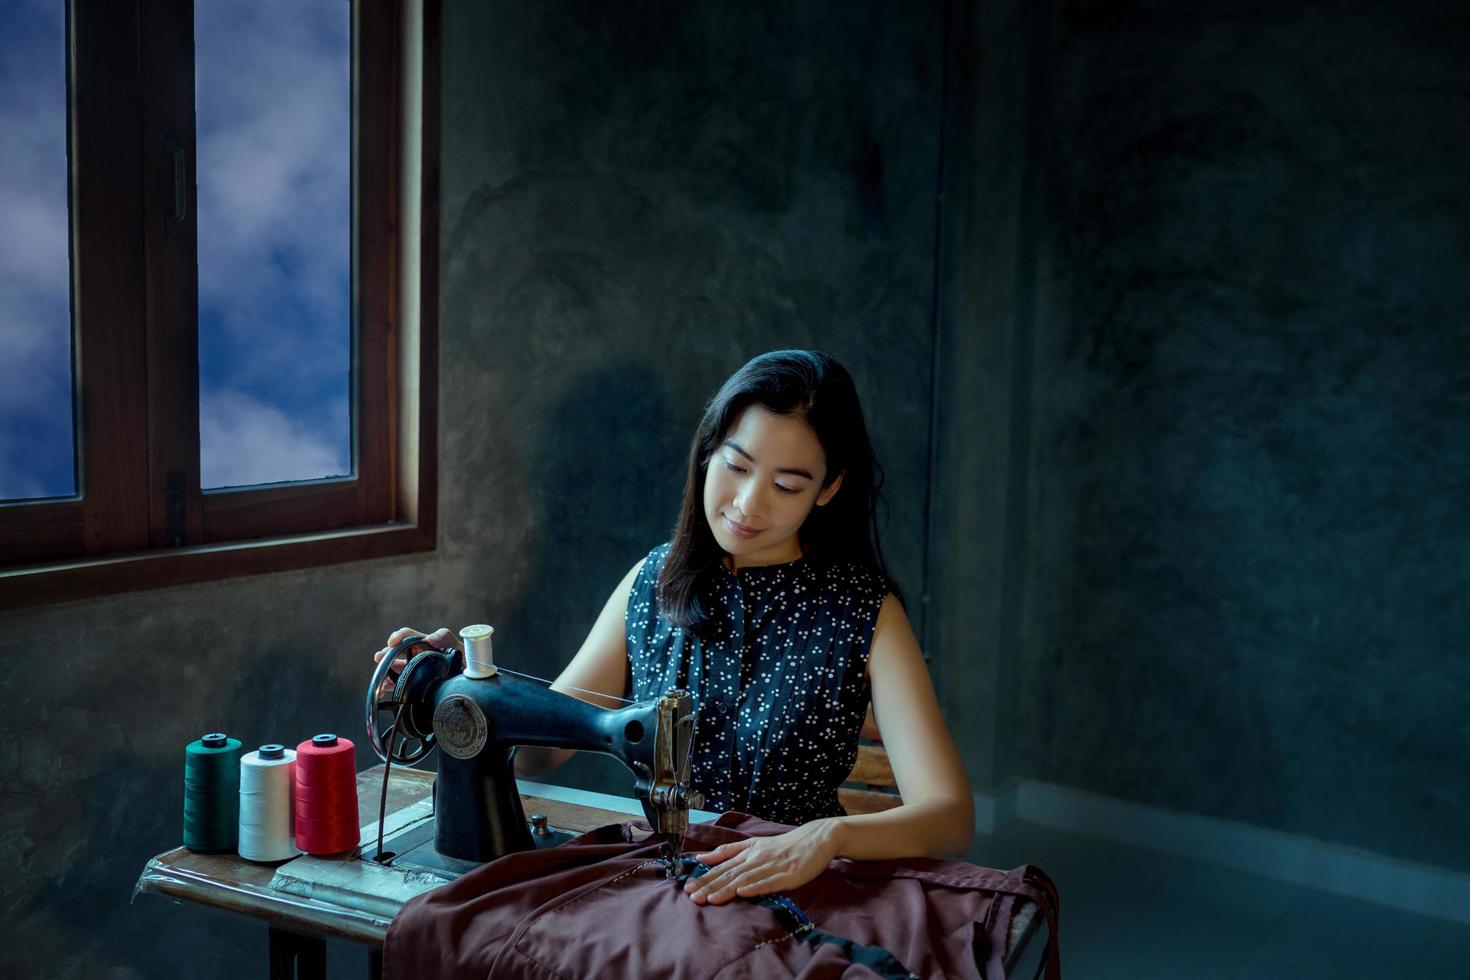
<point>267,804</point>
<point>479,658</point>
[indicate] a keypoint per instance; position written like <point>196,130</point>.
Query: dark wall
<point>638,205</point>
<point>1247,585</point>
<point>635,202</point>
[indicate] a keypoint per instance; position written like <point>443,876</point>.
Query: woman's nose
<point>746,500</point>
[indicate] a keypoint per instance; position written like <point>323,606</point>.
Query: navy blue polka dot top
<point>780,688</point>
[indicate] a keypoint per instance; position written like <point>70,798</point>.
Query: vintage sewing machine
<point>477,715</point>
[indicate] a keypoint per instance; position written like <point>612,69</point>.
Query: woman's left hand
<point>758,865</point>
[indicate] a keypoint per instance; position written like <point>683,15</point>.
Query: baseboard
<point>994,810</point>
<point>1346,871</point>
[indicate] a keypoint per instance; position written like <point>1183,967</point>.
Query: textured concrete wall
<point>638,205</point>
<point>986,317</point>
<point>634,203</point>
<point>1251,458</point>
<point>101,699</point>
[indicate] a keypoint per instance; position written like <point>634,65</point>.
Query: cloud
<point>35,330</point>
<point>34,260</point>
<point>274,145</point>
<point>243,441</point>
<point>34,248</point>
<point>35,277</point>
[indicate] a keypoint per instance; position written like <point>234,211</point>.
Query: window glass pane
<point>273,119</point>
<point>37,447</point>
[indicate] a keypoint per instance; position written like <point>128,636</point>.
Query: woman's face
<point>761,484</point>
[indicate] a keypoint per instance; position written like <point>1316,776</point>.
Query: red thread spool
<point>326,795</point>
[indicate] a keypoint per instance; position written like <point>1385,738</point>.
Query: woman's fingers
<point>762,886</point>
<point>394,638</point>
<point>725,861</point>
<point>442,638</point>
<point>719,884</point>
<point>735,884</point>
<point>717,874</point>
<point>378,657</point>
<point>725,851</point>
<point>402,633</point>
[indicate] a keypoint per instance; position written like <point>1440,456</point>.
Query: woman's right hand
<point>442,638</point>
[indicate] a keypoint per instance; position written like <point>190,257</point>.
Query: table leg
<point>294,956</point>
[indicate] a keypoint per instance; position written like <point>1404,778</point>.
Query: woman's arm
<point>937,816</point>
<point>938,812</point>
<point>601,665</point>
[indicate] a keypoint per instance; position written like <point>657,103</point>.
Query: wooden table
<point>306,900</point>
<point>309,899</point>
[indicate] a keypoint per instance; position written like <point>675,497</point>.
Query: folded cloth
<point>600,905</point>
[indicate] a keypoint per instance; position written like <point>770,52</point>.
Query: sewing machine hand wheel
<point>384,710</point>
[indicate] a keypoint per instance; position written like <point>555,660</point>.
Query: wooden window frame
<point>140,519</point>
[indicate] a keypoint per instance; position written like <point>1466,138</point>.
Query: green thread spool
<point>212,793</point>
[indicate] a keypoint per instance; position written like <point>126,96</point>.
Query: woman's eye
<point>733,468</point>
<point>785,489</point>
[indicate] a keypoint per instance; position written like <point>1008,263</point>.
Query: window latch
<point>181,199</point>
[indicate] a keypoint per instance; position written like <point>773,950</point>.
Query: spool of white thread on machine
<point>479,658</point>
<point>267,804</point>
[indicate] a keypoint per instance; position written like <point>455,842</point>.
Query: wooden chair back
<point>870,787</point>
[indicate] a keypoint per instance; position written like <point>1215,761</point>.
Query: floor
<point>1129,912</point>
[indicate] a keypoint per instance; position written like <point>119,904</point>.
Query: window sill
<point>44,584</point>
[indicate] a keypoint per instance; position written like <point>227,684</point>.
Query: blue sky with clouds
<point>35,310</point>
<point>272,83</point>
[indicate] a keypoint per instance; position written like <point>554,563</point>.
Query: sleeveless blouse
<point>779,688</point>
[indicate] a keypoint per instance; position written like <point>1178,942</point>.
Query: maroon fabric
<point>601,906</point>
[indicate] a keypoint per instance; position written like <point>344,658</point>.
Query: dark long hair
<point>809,385</point>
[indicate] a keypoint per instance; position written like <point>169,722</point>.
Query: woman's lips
<point>740,530</point>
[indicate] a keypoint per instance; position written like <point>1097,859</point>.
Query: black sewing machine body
<point>478,722</point>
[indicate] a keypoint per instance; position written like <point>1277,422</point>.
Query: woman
<point>773,607</point>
